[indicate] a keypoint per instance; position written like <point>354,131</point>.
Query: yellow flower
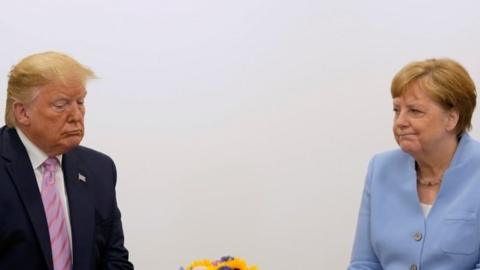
<point>200,263</point>
<point>233,263</point>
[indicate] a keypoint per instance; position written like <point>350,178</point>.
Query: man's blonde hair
<point>38,70</point>
<point>446,81</point>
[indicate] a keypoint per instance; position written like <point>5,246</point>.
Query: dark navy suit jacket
<point>97,235</point>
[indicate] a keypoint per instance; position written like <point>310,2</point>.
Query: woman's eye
<point>416,112</point>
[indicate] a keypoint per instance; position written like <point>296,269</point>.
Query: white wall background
<point>241,127</point>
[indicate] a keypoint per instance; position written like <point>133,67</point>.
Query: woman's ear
<point>452,120</point>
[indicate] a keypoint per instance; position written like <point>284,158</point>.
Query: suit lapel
<point>81,208</point>
<point>22,174</point>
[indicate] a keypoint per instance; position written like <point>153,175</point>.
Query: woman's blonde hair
<point>446,81</point>
<point>38,70</point>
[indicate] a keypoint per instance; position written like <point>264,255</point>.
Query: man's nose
<point>76,112</point>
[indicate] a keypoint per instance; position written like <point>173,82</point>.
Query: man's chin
<point>69,144</point>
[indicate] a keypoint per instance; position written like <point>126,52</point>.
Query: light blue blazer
<point>392,232</point>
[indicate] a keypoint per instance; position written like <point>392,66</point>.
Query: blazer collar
<point>462,152</point>
<point>21,173</point>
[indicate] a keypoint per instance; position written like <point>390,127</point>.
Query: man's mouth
<point>74,132</point>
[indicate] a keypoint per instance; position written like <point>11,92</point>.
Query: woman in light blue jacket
<point>421,203</point>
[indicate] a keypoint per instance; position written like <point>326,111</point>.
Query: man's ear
<point>22,116</point>
<point>452,121</point>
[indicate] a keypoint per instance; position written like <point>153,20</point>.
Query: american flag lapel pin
<point>82,178</point>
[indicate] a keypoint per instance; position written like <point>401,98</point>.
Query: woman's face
<point>420,124</point>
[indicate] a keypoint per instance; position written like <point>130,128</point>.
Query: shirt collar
<point>37,156</point>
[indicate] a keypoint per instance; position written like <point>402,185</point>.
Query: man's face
<point>54,119</point>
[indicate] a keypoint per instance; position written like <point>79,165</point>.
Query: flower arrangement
<point>225,263</point>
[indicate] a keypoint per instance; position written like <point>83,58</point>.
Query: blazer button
<point>417,236</point>
<point>413,267</point>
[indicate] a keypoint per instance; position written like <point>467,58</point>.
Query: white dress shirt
<point>37,157</point>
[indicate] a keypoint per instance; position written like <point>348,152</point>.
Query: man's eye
<point>60,105</point>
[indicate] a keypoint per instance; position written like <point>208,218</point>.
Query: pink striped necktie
<point>57,225</point>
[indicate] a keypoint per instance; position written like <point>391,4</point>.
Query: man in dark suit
<point>58,208</point>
